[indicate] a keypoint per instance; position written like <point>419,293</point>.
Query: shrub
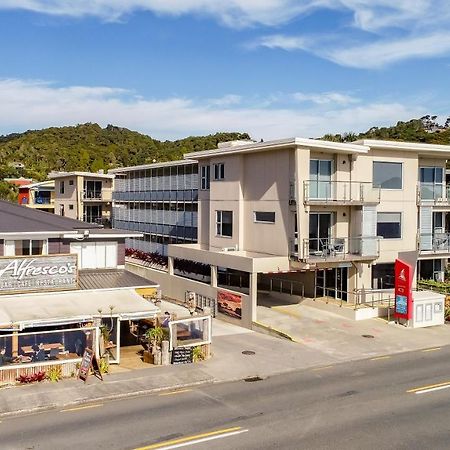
<point>54,373</point>
<point>31,378</point>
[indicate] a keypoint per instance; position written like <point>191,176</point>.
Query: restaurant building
<point>63,287</point>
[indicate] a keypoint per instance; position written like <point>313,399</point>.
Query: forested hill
<point>89,147</point>
<point>425,130</point>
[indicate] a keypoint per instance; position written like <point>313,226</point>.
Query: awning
<point>58,308</point>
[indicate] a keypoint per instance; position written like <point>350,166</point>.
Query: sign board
<point>229,304</point>
<point>34,273</point>
<point>403,292</point>
<point>182,355</point>
<point>87,362</point>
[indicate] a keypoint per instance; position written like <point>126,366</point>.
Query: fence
<point>202,302</point>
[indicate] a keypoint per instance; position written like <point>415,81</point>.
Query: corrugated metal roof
<point>110,279</point>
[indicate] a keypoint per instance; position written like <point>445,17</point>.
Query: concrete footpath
<point>323,339</point>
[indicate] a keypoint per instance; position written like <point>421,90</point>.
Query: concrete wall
<point>68,199</point>
<point>175,287</point>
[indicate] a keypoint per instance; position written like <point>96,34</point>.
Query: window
<point>70,182</point>
<point>387,175</point>
<point>431,182</point>
<point>61,187</point>
<point>389,225</point>
<point>263,217</point>
<point>383,276</point>
<point>219,171</point>
<point>205,173</point>
<point>70,206</point>
<point>61,210</point>
<point>320,171</point>
<point>30,247</point>
<point>224,223</point>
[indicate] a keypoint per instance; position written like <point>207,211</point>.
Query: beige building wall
<point>67,200</point>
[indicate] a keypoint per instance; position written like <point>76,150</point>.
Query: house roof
<point>252,147</point>
<point>16,219</point>
<point>53,175</point>
<point>180,162</point>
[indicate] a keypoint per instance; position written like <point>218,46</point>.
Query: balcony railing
<point>92,195</point>
<point>434,243</point>
<point>337,249</point>
<point>43,200</point>
<point>438,193</point>
<point>340,192</point>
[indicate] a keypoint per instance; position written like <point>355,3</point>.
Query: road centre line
<point>195,439</point>
<point>181,391</point>
<point>78,408</point>
<point>429,388</point>
<point>377,358</point>
<point>434,349</point>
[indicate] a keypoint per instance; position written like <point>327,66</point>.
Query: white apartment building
<point>333,216</point>
<point>84,196</point>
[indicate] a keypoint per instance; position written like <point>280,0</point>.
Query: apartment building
<point>158,200</point>
<point>333,216</point>
<point>39,196</point>
<point>84,196</point>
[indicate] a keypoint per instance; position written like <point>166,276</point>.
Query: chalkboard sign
<point>89,360</point>
<point>85,365</point>
<point>182,355</point>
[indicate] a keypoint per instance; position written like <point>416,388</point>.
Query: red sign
<point>403,291</point>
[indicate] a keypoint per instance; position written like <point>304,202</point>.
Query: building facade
<point>158,200</point>
<point>39,196</point>
<point>333,216</point>
<point>84,196</point>
<point>61,282</point>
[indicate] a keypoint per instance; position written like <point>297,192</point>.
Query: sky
<point>176,68</point>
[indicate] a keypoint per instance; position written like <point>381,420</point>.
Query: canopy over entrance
<point>57,308</point>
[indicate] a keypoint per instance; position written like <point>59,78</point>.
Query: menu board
<point>85,365</point>
<point>182,355</point>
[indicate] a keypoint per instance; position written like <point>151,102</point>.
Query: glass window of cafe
<point>57,344</point>
<point>25,247</point>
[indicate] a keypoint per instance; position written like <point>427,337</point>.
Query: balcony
<point>337,249</point>
<point>437,243</point>
<point>433,194</point>
<point>43,200</point>
<point>92,195</point>
<point>340,193</point>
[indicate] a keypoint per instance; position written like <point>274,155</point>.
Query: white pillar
<point>213,276</point>
<point>170,265</point>
<point>253,295</point>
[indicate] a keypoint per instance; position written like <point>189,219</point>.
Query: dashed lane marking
<point>180,391</point>
<point>378,358</point>
<point>434,349</point>
<point>322,368</point>
<point>78,408</point>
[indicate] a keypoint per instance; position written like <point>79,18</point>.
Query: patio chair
<point>336,246</point>
<point>54,353</point>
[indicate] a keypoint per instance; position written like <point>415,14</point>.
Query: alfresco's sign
<point>33,273</point>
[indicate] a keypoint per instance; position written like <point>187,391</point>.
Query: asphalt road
<point>394,402</point>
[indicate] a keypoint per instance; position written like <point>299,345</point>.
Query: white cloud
<point>32,104</point>
<point>326,98</point>
<point>281,41</point>
<point>234,13</point>
<point>385,52</point>
<point>226,100</point>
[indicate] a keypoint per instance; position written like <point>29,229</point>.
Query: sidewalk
<point>317,326</point>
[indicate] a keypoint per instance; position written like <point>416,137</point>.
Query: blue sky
<point>173,68</point>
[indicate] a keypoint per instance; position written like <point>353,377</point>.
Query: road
<point>393,402</point>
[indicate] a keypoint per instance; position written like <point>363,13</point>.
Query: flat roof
<point>179,162</point>
<point>53,308</point>
<point>111,278</point>
<point>314,144</point>
<point>53,175</point>
<point>416,147</point>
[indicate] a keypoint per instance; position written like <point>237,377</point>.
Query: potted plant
<point>154,338</point>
